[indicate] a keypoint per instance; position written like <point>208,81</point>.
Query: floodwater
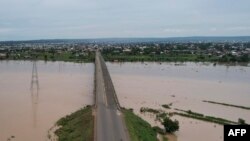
<point>185,85</point>
<point>27,114</point>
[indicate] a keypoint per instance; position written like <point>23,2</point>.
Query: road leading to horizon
<point>109,125</point>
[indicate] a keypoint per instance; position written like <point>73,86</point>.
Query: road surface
<point>109,125</point>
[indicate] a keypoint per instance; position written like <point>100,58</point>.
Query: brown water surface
<point>27,114</point>
<point>185,85</point>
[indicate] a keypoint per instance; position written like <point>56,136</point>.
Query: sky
<point>84,19</point>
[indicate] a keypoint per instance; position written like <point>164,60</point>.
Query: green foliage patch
<point>78,126</point>
<point>139,129</point>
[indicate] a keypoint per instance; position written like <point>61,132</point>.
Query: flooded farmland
<point>26,113</point>
<point>185,85</point>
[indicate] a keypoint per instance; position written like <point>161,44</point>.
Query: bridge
<point>109,122</point>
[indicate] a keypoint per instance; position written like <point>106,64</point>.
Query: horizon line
<point>100,38</point>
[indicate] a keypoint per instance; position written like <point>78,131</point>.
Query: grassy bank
<point>139,129</point>
<point>78,126</point>
<point>225,104</point>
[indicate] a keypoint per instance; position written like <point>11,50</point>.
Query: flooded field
<point>27,114</point>
<point>186,86</point>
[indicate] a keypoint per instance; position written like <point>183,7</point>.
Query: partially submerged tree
<point>241,121</point>
<point>170,125</point>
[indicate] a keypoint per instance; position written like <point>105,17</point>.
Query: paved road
<point>109,120</point>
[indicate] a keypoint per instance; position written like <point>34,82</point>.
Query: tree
<point>244,58</point>
<point>170,125</point>
<point>45,57</point>
<point>241,121</point>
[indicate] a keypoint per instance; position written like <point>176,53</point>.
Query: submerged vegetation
<point>167,106</point>
<point>172,126</point>
<point>241,121</point>
<point>202,117</point>
<point>169,124</point>
<point>78,126</point>
<point>139,129</point>
<point>149,110</point>
<point>225,104</point>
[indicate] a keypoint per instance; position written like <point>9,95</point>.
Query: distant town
<point>128,50</point>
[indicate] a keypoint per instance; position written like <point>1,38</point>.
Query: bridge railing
<point>108,81</point>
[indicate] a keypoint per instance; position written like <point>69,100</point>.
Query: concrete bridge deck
<point>109,123</point>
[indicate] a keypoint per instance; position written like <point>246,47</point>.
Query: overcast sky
<point>54,19</point>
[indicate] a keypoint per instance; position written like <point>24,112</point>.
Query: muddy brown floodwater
<point>185,85</point>
<point>27,115</point>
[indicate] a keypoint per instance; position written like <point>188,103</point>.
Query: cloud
<point>35,19</point>
<point>172,30</point>
<point>5,30</point>
<point>213,29</point>
<point>239,28</point>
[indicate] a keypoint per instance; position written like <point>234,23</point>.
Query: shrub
<point>241,121</point>
<point>170,125</point>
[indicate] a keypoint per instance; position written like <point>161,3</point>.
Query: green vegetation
<point>161,116</point>
<point>162,58</point>
<point>225,104</point>
<point>82,51</point>
<point>202,117</point>
<point>167,106</point>
<point>78,126</point>
<point>241,121</point>
<point>149,110</point>
<point>177,52</point>
<point>139,129</point>
<point>170,125</point>
<point>52,55</point>
<point>175,57</point>
<point>159,130</point>
<point>190,112</point>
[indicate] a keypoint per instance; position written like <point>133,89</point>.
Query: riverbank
<point>177,58</point>
<point>52,56</point>
<point>76,126</point>
<point>139,129</point>
<point>80,126</point>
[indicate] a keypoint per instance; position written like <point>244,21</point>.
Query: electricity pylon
<point>34,89</point>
